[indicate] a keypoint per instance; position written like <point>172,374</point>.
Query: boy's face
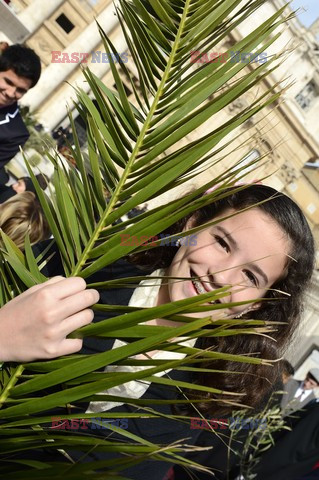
<point>12,87</point>
<point>310,383</point>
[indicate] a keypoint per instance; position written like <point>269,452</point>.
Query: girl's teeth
<point>200,289</point>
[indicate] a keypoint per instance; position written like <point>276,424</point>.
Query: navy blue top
<point>13,133</point>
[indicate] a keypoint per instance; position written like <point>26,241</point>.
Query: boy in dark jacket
<point>20,70</point>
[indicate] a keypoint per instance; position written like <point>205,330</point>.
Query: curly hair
<point>256,380</point>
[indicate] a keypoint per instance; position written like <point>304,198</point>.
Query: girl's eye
<point>251,277</point>
<point>222,243</point>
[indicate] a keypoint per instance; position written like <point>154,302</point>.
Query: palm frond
<point>134,155</point>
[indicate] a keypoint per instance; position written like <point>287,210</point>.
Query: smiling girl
<point>265,253</point>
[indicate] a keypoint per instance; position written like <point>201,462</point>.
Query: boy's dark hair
<point>287,368</point>
<point>23,61</point>
<point>312,377</point>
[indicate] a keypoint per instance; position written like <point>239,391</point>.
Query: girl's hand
<point>35,324</point>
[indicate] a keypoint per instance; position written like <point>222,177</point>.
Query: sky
<point>311,12</point>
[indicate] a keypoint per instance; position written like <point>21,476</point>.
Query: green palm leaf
<point>133,153</point>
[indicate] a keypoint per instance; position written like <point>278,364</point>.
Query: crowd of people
<point>267,250</point>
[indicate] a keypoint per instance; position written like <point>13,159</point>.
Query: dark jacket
<point>295,452</point>
<point>6,193</point>
<point>13,133</point>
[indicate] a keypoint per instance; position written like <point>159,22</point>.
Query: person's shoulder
<point>10,111</point>
<point>292,384</point>
<point>291,387</point>
<point>6,193</point>
<point>12,124</point>
<point>122,268</point>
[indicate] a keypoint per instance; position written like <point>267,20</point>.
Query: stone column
<point>33,16</point>
<point>56,73</point>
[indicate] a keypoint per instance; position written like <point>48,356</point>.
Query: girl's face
<point>248,251</point>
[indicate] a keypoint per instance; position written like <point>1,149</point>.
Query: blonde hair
<point>21,215</point>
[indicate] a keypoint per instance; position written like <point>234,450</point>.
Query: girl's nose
<point>230,276</point>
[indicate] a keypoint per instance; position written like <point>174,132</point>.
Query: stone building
<point>285,134</point>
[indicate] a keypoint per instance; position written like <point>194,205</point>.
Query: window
<point>307,96</point>
<point>64,23</point>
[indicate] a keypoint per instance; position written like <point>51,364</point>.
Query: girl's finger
<point>76,321</point>
<point>75,303</point>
